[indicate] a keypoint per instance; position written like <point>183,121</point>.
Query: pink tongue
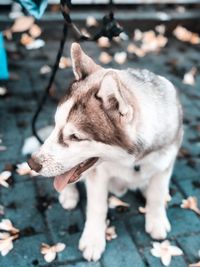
<point>61,181</point>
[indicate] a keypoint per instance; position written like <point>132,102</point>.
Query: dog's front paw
<point>69,197</point>
<point>92,244</point>
<point>157,225</point>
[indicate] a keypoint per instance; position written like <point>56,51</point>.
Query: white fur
<point>156,123</point>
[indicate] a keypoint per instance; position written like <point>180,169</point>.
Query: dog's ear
<point>112,96</point>
<point>82,64</point>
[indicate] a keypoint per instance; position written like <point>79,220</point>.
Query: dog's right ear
<point>82,64</point>
<point>112,96</point>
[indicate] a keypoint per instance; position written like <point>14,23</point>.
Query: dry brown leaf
<point>165,251</point>
<point>6,243</point>
<point>133,49</point>
<point>120,57</point>
<point>85,32</point>
<point>197,264</point>
<point>4,176</point>
<point>105,58</point>
<point>24,169</point>
<point>103,42</point>
<point>7,225</point>
<point>26,39</point>
<point>36,44</point>
<point>3,148</point>
<point>138,35</point>
<point>185,35</point>
<point>2,210</point>
<point>65,62</point>
<point>35,31</point>
<point>161,29</point>
<point>22,24</point>
<point>111,233</point>
<point>114,202</point>
<point>3,91</point>
<point>168,198</point>
<point>142,210</point>
<point>191,203</point>
<point>189,77</point>
<point>45,69</point>
<point>91,21</point>
<point>50,252</point>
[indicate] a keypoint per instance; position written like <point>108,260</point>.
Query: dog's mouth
<point>73,175</point>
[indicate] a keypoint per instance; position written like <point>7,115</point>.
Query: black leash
<point>110,28</point>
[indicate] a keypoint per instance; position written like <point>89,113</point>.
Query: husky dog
<point>110,121</point>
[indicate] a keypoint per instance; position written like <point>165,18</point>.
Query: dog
<point>108,122</point>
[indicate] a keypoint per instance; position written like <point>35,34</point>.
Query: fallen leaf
<point>85,32</point>
<point>22,24</point>
<point>191,203</point>
<point>50,252</point>
<point>91,21</point>
<point>110,233</point>
<point>24,169</point>
<point>3,91</point>
<point>120,57</point>
<point>2,210</point>
<point>137,35</point>
<point>185,35</point>
<point>197,264</point>
<point>142,210</point>
<point>26,39</point>
<point>165,251</point>
<point>105,58</point>
<point>65,62</point>
<point>168,198</point>
<point>103,42</point>
<point>114,202</point>
<point>189,76</point>
<point>7,225</point>
<point>35,31</point>
<point>45,69</point>
<point>35,44</point>
<point>6,243</point>
<point>133,49</point>
<point>4,176</point>
<point>161,29</point>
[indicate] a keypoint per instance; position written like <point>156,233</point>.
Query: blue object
<point>35,8</point>
<point>4,75</point>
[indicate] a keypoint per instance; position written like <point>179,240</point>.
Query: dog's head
<point>90,123</point>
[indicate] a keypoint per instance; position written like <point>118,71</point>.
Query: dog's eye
<point>74,137</point>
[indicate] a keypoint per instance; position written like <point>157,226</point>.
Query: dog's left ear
<point>82,64</point>
<point>112,96</point>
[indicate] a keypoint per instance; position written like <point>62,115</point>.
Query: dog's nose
<point>34,165</point>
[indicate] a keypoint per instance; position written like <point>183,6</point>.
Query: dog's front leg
<point>157,223</point>
<point>92,242</point>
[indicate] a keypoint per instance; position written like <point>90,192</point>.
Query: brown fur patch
<point>89,115</point>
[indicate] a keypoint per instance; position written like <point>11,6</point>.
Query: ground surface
<point>31,203</point>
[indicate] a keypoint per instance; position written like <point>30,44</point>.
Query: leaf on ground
<point>7,225</point>
<point>165,251</point>
<point>189,77</point>
<point>191,203</point>
<point>114,202</point>
<point>105,58</point>
<point>22,24</point>
<point>50,252</point>
<point>91,21</point>
<point>120,57</point>
<point>24,169</point>
<point>4,176</point>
